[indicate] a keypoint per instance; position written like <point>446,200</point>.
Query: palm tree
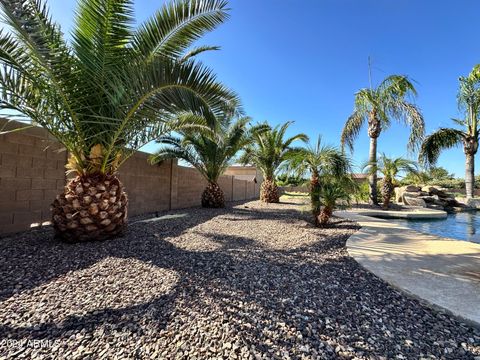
<point>390,168</point>
<point>106,93</point>
<point>267,152</point>
<point>320,161</point>
<point>445,138</point>
<point>329,192</point>
<point>208,152</point>
<point>378,107</point>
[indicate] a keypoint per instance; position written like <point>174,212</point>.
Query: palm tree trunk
<point>269,191</point>
<point>92,207</point>
<point>212,196</point>
<point>469,175</point>
<point>315,197</point>
<point>325,215</point>
<point>372,179</point>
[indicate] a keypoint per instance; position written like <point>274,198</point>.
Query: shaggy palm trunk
<point>325,215</point>
<point>469,175</point>
<point>315,197</point>
<point>387,191</point>
<point>213,197</point>
<point>373,132</point>
<point>269,191</point>
<point>372,179</point>
<point>92,207</point>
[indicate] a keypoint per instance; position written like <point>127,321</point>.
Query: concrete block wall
<point>190,185</point>
<point>32,173</point>
<point>148,187</point>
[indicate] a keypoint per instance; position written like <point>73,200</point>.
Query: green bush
<point>290,180</point>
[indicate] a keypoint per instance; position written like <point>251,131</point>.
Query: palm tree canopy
<point>443,138</point>
<point>210,152</point>
<point>391,167</point>
<point>318,159</point>
<point>115,87</point>
<point>269,149</point>
<point>390,100</point>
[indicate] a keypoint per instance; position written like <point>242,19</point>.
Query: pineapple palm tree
<point>210,152</point>
<point>378,107</point>
<point>268,150</point>
<point>106,93</point>
<point>389,168</point>
<point>469,136</point>
<point>320,161</point>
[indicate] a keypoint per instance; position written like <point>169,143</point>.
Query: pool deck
<point>413,213</point>
<point>441,272</point>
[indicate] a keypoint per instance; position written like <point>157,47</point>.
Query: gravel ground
<point>249,282</point>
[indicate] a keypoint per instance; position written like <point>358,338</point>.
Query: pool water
<point>462,226</point>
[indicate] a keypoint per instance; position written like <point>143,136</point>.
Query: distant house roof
<point>246,177</point>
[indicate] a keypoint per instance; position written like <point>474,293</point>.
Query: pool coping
<point>438,271</point>
<point>412,213</point>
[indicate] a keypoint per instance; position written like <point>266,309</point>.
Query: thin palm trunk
<point>372,179</point>
<point>469,175</point>
<point>315,197</point>
<point>325,215</point>
<point>387,191</point>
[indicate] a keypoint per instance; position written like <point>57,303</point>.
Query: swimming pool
<point>462,226</point>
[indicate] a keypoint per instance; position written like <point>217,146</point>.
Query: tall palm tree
<point>267,152</point>
<point>469,136</point>
<point>320,161</point>
<point>106,93</point>
<point>378,107</point>
<point>390,168</point>
<point>208,152</point>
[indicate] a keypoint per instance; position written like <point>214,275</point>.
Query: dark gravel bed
<point>248,282</point>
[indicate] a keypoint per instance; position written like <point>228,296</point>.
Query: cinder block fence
<point>32,173</point>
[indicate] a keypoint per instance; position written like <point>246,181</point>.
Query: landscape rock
<point>399,194</point>
<point>421,196</point>
<point>434,190</point>
<point>414,201</point>
<point>412,188</point>
<point>256,282</point>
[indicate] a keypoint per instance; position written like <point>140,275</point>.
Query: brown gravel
<point>250,282</point>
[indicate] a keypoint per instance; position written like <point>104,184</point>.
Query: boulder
<point>428,199</point>
<point>411,194</point>
<point>473,203</point>
<point>445,195</point>
<point>434,190</point>
<point>412,188</point>
<point>414,201</point>
<point>435,207</point>
<point>399,194</point>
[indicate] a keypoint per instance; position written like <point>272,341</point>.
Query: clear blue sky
<point>304,60</point>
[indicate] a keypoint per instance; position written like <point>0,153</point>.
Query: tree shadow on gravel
<point>311,300</point>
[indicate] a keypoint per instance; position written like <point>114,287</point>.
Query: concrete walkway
<point>443,272</point>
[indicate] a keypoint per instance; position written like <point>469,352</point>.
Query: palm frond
<point>101,93</point>
<point>177,25</point>
<point>444,138</point>
<point>198,50</point>
<point>351,130</point>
